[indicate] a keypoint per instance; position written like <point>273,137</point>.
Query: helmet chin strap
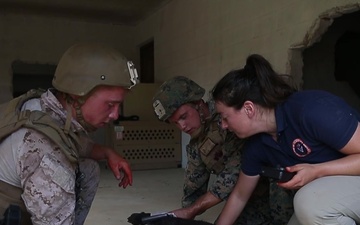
<point>79,116</point>
<point>197,133</point>
<point>200,108</point>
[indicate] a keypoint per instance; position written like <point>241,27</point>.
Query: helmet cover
<point>173,93</point>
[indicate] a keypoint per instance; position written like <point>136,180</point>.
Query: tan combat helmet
<point>173,93</point>
<point>85,66</point>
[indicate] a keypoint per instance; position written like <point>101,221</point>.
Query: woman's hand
<point>305,173</point>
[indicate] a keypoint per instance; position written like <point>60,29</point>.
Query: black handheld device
<point>277,173</point>
<point>152,218</point>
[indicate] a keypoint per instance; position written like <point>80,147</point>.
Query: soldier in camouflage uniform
<point>47,166</point>
<point>214,151</point>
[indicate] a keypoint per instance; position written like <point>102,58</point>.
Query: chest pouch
<point>211,149</point>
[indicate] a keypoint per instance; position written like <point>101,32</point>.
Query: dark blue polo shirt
<point>312,126</point>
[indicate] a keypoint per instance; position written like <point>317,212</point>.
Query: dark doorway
<point>147,70</point>
<point>347,60</point>
<point>331,63</point>
<point>28,76</point>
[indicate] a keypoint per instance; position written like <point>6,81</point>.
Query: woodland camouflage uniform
<point>218,152</point>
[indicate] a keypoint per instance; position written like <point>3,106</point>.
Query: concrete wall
<point>204,39</point>
<point>43,40</point>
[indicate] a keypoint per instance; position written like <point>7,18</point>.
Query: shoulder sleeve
<point>225,181</point>
<point>48,178</point>
<point>252,157</point>
<point>330,121</point>
<point>196,177</point>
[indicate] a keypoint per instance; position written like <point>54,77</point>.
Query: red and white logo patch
<point>300,148</point>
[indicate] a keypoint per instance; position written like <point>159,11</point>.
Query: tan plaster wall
<point>43,40</point>
<point>204,39</point>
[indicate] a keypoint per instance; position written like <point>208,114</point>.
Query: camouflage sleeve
<point>48,180</point>
<point>226,179</point>
<point>196,177</point>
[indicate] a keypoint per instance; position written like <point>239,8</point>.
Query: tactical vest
<point>211,147</point>
<point>12,119</point>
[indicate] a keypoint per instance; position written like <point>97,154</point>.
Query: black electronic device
<point>277,173</point>
<point>162,219</point>
<point>152,218</point>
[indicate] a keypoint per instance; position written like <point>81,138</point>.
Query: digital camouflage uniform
<point>45,149</point>
<point>45,174</point>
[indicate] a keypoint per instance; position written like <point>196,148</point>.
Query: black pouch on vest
<point>12,216</point>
